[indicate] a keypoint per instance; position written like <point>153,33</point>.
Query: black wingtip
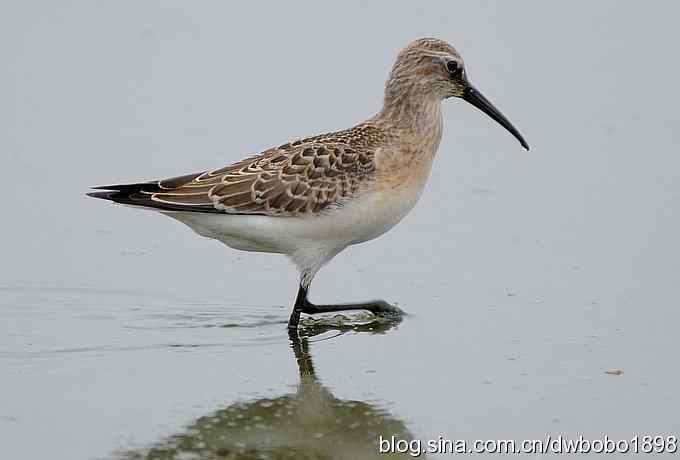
<point>103,195</point>
<point>123,193</point>
<point>136,187</point>
<point>141,195</point>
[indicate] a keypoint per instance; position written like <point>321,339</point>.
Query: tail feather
<point>141,194</point>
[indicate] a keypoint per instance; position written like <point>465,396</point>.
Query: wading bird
<point>311,198</point>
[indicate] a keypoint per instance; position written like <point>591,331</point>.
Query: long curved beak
<point>474,97</point>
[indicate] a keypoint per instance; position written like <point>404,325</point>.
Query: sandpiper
<point>311,198</point>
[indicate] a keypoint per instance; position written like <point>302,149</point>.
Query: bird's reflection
<point>310,423</point>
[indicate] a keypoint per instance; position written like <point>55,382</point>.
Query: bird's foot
<point>379,308</point>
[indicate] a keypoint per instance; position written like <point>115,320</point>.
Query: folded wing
<point>303,177</point>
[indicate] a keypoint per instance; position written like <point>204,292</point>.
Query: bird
<point>313,197</point>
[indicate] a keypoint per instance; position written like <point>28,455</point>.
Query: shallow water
<point>526,276</point>
<point>106,374</point>
<point>125,343</point>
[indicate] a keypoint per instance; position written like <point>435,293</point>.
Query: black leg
<point>302,305</point>
<point>297,308</point>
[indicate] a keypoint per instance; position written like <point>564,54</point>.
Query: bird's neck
<point>415,116</point>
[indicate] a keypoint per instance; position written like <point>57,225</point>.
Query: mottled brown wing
<point>299,178</point>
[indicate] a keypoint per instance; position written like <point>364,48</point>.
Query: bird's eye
<point>452,67</point>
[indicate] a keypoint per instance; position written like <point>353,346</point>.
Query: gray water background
<point>526,274</point>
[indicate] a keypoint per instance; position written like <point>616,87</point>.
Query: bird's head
<point>432,69</point>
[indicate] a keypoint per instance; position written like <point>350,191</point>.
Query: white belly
<point>356,221</point>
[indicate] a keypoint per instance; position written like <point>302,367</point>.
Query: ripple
<point>95,322</point>
<point>209,316</point>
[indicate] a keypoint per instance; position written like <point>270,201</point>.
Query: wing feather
<point>302,177</point>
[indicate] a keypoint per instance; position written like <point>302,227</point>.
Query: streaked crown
<point>428,67</point>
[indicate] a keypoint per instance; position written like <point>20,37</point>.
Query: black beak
<point>474,97</point>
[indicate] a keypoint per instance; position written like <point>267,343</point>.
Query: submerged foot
<point>377,307</point>
<point>382,308</point>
